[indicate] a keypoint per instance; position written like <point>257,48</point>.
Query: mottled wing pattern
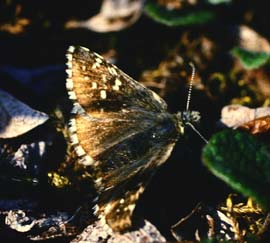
<point>98,85</point>
<point>140,155</point>
<point>120,129</point>
<point>100,90</point>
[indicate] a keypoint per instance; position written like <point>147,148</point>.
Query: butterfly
<point>120,129</point>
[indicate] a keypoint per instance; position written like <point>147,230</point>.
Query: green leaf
<point>216,2</point>
<point>250,59</point>
<point>178,17</point>
<point>241,161</point>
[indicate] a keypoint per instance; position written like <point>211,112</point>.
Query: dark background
<point>32,68</point>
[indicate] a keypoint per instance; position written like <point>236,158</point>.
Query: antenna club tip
<point>191,64</point>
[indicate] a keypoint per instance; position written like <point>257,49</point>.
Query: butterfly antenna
<point>190,85</point>
<point>195,130</point>
<point>188,102</point>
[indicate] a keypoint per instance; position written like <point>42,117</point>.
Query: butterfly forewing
<point>100,86</point>
<point>120,129</point>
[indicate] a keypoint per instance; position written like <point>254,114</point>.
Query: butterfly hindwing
<point>122,188</point>
<point>137,158</point>
<point>145,149</point>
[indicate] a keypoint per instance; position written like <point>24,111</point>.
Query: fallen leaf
<point>26,160</point>
<point>259,125</point>
<point>229,220</point>
<point>100,232</point>
<point>236,115</point>
<point>114,15</point>
<point>17,118</point>
<point>250,40</point>
<point>17,27</point>
<point>39,228</point>
<point>204,222</point>
<point>253,50</point>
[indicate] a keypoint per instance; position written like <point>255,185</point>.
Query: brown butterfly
<point>120,129</point>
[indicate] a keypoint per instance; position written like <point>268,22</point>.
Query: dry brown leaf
<point>259,125</point>
<point>252,41</point>
<point>15,28</point>
<point>16,117</point>
<point>176,4</point>
<point>42,227</point>
<point>236,115</point>
<point>114,15</point>
<point>100,232</point>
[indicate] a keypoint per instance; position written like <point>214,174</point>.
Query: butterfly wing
<point>109,100</point>
<point>98,85</point>
<point>120,129</point>
<point>141,155</point>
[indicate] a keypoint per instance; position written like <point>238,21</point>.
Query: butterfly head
<point>187,118</point>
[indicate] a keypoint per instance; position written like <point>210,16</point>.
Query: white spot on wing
<point>77,109</point>
<point>86,160</point>
<point>96,209</point>
<point>72,95</point>
<point>84,48</point>
<point>107,208</point>
<point>94,85</point>
<point>69,72</point>
<point>79,150</point>
<point>95,65</point>
<point>69,56</point>
<point>98,60</point>
<point>103,94</point>
<point>122,201</point>
<point>112,71</point>
<point>97,55</point>
<point>118,82</point>
<point>72,126</point>
<point>104,78</point>
<point>74,139</point>
<point>69,84</point>
<point>129,208</point>
<point>71,49</point>
<point>115,88</point>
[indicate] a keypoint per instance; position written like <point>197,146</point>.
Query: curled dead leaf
<point>100,232</point>
<point>16,117</point>
<point>235,115</point>
<point>259,125</point>
<point>114,15</point>
<point>15,28</point>
<point>250,40</point>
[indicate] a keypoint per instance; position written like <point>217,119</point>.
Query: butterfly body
<point>120,129</point>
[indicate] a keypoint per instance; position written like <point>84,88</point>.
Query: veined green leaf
<point>251,59</point>
<point>241,161</point>
<point>178,17</point>
<point>216,2</point>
